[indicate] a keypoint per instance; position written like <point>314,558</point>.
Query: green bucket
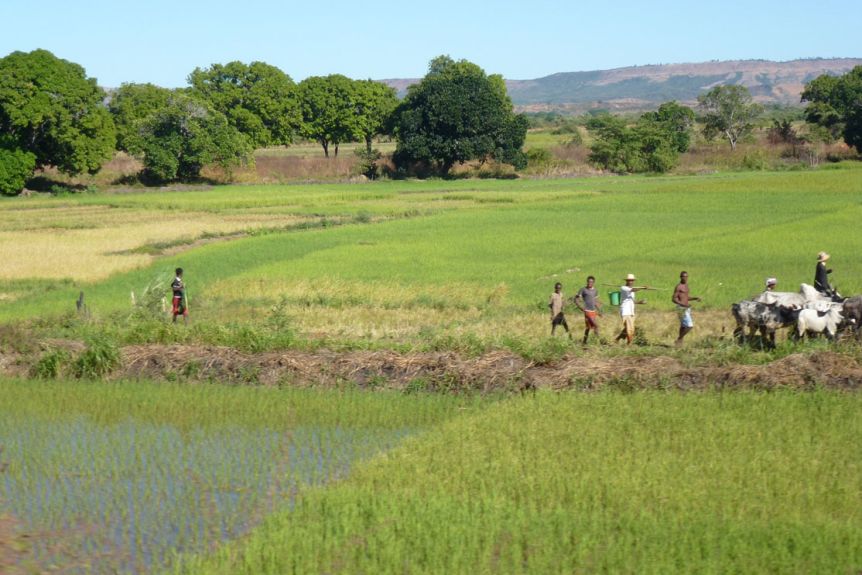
<point>614,297</point>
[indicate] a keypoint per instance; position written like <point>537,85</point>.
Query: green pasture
<point>570,483</point>
<point>503,242</point>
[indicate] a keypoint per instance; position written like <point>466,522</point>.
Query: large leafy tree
<point>375,102</point>
<point>836,104</point>
<point>676,121</point>
<point>131,105</point>
<point>455,114</point>
<point>329,110</point>
<point>178,140</point>
<point>652,144</point>
<point>258,99</point>
<point>50,108</point>
<point>729,111</point>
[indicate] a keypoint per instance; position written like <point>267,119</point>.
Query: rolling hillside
<point>644,86</point>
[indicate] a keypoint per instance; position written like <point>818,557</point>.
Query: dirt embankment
<point>447,371</point>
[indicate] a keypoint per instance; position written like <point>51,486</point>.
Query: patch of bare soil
<point>11,551</point>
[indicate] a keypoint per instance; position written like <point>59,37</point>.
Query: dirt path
<point>447,371</point>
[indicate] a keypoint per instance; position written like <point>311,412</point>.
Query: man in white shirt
<point>627,308</point>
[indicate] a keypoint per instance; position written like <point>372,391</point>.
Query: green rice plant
<point>99,358</point>
<point>613,482</point>
<point>140,472</point>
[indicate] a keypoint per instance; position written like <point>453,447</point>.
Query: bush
<point>98,359</point>
<point>368,162</point>
<point>50,365</point>
<point>539,157</point>
<point>16,167</point>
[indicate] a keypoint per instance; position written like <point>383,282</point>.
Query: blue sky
<point>161,41</point>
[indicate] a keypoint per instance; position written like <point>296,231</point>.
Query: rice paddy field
<point>367,383</point>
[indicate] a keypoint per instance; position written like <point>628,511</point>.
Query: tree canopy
<point>455,114</point>
<point>730,111</point>
<point>652,144</point>
<point>185,135</point>
<point>329,106</point>
<point>836,104</point>
<point>258,99</point>
<point>130,105</point>
<point>50,108</point>
<point>375,102</point>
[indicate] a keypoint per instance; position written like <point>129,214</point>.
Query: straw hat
<point>771,282</point>
<point>822,257</point>
<point>630,277</point>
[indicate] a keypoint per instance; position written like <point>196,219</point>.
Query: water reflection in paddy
<point>126,497</point>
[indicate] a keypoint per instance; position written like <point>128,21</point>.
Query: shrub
<point>98,359</point>
<point>50,365</point>
<point>16,166</point>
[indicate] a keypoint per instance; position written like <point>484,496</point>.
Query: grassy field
<point>647,483</point>
<point>398,262</point>
<point>337,287</point>
<point>109,478</point>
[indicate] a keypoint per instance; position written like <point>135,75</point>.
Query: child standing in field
<point>556,303</point>
<point>180,306</point>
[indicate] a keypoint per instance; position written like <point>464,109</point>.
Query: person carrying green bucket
<point>626,298</point>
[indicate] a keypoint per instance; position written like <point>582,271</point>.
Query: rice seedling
<point>106,478</point>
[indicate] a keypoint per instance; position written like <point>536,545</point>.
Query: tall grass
<point>645,483</point>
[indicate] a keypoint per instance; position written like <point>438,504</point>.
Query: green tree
<point>329,105</point>
<point>130,105</point>
<point>615,146</point>
<point>835,103</point>
<point>676,121</point>
<point>650,145</point>
<point>375,102</point>
<point>258,99</point>
<point>16,166</point>
<point>177,141</point>
<point>51,109</point>
<point>455,114</point>
<point>729,110</point>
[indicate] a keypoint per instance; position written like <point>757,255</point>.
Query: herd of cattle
<point>809,311</point>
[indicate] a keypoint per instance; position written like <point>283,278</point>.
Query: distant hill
<point>639,87</point>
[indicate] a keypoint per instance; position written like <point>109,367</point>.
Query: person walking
<point>627,308</point>
<point>587,300</point>
<point>556,303</point>
<point>821,275</point>
<point>682,299</point>
<point>179,303</point>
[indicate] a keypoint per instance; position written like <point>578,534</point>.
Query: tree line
<point>52,114</point>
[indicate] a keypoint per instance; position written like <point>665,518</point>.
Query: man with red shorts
<point>180,305</point>
<point>587,300</point>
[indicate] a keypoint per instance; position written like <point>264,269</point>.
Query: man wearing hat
<point>627,308</point>
<point>821,279</point>
<point>771,283</point>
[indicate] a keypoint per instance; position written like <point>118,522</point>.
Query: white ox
<point>811,321</point>
<point>808,297</point>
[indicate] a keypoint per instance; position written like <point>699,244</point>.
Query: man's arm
<point>577,301</point>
